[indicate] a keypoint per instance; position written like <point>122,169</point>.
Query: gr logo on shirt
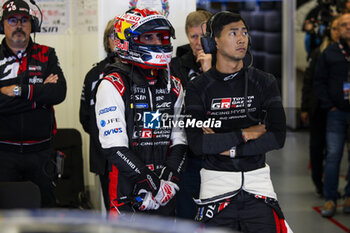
<point>221,103</point>
<point>112,131</point>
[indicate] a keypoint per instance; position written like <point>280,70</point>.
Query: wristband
<point>233,152</point>
<point>245,139</point>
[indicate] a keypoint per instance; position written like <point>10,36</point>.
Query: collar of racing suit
<point>138,75</point>
<point>226,77</point>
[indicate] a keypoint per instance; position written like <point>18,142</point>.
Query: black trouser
<point>317,146</point>
<point>247,214</point>
<point>104,180</point>
<point>189,185</point>
<point>36,167</point>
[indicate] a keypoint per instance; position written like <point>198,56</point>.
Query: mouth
<point>241,49</point>
<point>18,33</point>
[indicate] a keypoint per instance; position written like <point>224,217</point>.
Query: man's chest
<point>28,70</point>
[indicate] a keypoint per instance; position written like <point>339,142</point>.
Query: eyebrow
<point>236,29</point>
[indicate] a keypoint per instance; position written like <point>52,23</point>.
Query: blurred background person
<point>316,21</point>
<point>186,68</point>
<point>332,88</point>
<point>312,113</point>
<point>194,61</point>
<point>87,117</point>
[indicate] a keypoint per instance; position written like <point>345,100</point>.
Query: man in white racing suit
<point>136,103</point>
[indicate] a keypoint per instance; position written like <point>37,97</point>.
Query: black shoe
<point>346,208</point>
<point>329,209</point>
<point>319,193</point>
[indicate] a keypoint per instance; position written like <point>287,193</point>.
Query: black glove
<point>169,174</point>
<point>149,182</point>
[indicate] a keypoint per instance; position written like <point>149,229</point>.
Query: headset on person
<point>209,46</point>
<point>208,38</point>
<point>36,26</point>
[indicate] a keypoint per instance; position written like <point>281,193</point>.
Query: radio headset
<point>36,26</point>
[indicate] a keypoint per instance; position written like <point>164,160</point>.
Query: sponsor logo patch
<point>146,133</point>
<point>106,110</point>
<point>221,103</point>
<point>141,105</point>
<point>151,120</point>
<point>113,131</point>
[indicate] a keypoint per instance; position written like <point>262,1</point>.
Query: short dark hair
<point>219,20</point>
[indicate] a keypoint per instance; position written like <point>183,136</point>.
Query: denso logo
<point>132,17</point>
<point>221,103</point>
<point>113,131</point>
<point>109,109</point>
<point>123,46</point>
<point>161,56</point>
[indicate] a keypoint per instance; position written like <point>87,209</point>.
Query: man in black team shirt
<point>235,180</point>
<point>31,83</point>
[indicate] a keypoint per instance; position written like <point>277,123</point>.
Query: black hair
<point>223,18</point>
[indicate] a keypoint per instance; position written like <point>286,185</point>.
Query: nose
<point>157,41</point>
<point>241,37</point>
<point>198,40</point>
<point>347,26</point>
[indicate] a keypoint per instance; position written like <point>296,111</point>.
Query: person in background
<point>98,163</point>
<point>135,102</point>
<point>186,68</point>
<point>332,85</point>
<point>316,21</point>
<point>248,120</point>
<point>31,82</point>
<point>195,61</point>
<point>313,114</point>
<point>344,6</point>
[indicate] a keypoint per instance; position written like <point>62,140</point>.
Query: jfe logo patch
<point>151,120</point>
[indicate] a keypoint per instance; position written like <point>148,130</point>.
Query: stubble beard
<point>235,58</point>
<point>18,42</point>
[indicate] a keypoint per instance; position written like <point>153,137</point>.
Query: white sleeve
<point>178,135</point>
<point>110,116</point>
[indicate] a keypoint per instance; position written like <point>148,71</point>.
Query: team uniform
<point>27,122</point>
<point>139,154</point>
<point>186,69</point>
<point>237,192</point>
<point>137,103</point>
<point>98,163</point>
